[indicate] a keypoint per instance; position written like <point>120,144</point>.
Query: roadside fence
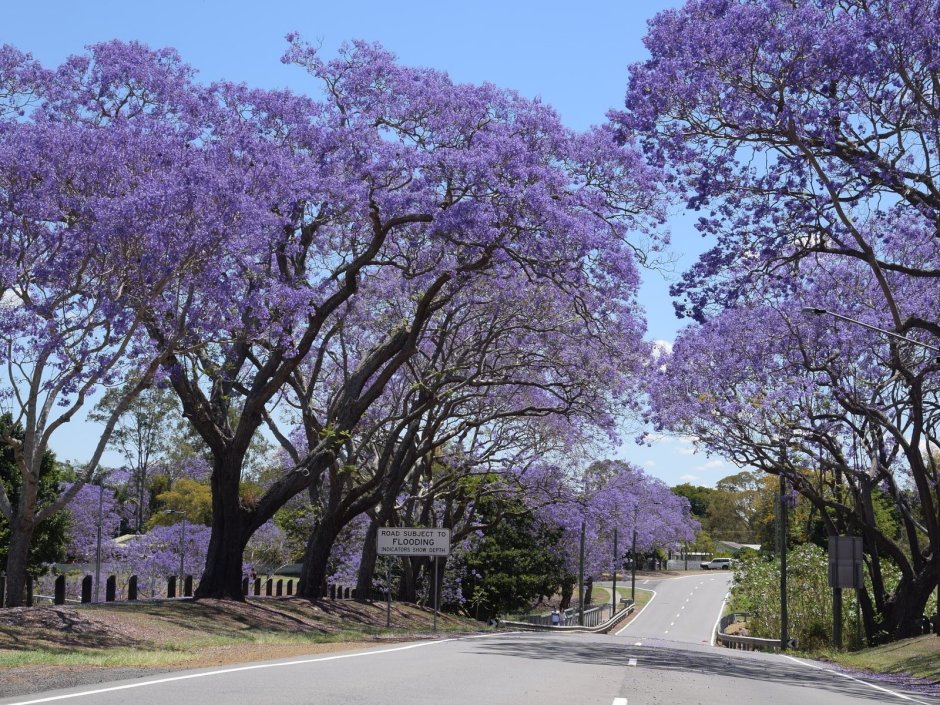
<point>744,643</point>
<point>62,589</point>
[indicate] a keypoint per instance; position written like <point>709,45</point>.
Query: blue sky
<point>573,56</point>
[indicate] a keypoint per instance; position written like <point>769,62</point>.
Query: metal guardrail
<point>597,627</point>
<point>745,643</point>
<point>569,617</point>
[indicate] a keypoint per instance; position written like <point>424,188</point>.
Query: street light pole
<point>636,511</point>
<point>633,563</point>
<point>581,577</point>
<point>782,545</point>
<point>613,599</point>
<point>826,312</point>
<point>182,554</point>
<point>98,547</point>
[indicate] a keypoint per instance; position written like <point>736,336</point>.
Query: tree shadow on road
<point>750,666</point>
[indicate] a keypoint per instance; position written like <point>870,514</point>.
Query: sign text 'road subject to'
<point>413,542</point>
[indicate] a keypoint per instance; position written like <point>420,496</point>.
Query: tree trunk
<point>141,496</point>
<point>408,588</point>
<point>222,577</point>
<point>367,561</point>
<point>567,592</point>
<point>316,560</point>
<point>21,534</point>
<point>904,611</point>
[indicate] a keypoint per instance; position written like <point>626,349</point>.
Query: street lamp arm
<point>825,312</point>
<point>916,322</point>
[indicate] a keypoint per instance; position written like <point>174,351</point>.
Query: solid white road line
<point>631,662</point>
<point>721,611</point>
<point>638,643</point>
<point>637,614</point>
<point>620,701</point>
<point>238,669</point>
<point>851,678</point>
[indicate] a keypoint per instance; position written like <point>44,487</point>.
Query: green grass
<point>918,657</point>
<point>109,658</point>
<point>171,633</point>
<point>180,651</point>
<point>601,595</point>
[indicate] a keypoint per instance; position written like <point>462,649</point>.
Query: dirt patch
<point>188,634</point>
<point>738,629</point>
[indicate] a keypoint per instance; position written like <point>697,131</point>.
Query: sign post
<point>845,571</point>
<point>388,594</point>
<point>410,541</point>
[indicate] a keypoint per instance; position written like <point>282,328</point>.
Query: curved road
<point>683,609</point>
<point>660,658</point>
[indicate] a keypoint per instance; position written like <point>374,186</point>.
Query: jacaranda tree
<point>805,134</point>
<point>93,182</point>
<point>826,409</point>
<point>224,232</point>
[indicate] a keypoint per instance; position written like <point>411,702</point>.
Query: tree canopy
<point>805,135</point>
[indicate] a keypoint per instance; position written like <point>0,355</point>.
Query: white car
<point>717,564</point>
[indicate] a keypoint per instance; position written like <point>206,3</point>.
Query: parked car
<point>717,564</point>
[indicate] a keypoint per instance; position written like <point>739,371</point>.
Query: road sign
<point>406,541</point>
<point>845,562</point>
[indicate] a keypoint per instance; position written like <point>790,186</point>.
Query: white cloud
<point>712,465</point>
<point>662,346</point>
<point>649,463</point>
<point>688,478</point>
<point>687,450</point>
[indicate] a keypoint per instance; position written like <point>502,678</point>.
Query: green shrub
<point>756,590</point>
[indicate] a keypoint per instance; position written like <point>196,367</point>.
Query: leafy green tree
<point>295,520</point>
<point>513,564</point>
<point>698,498</point>
<point>50,538</point>
<point>142,435</point>
<point>192,498</point>
<point>726,512</point>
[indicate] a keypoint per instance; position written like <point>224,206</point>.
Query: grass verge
<point>601,596</point>
<point>168,634</point>
<point>918,657</point>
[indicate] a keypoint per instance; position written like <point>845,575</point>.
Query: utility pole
<point>633,557</point>
<point>782,548</point>
<point>581,577</point>
<point>613,599</point>
<point>98,546</point>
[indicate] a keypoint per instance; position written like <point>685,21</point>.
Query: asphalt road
<point>683,610</point>
<point>642,666</point>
